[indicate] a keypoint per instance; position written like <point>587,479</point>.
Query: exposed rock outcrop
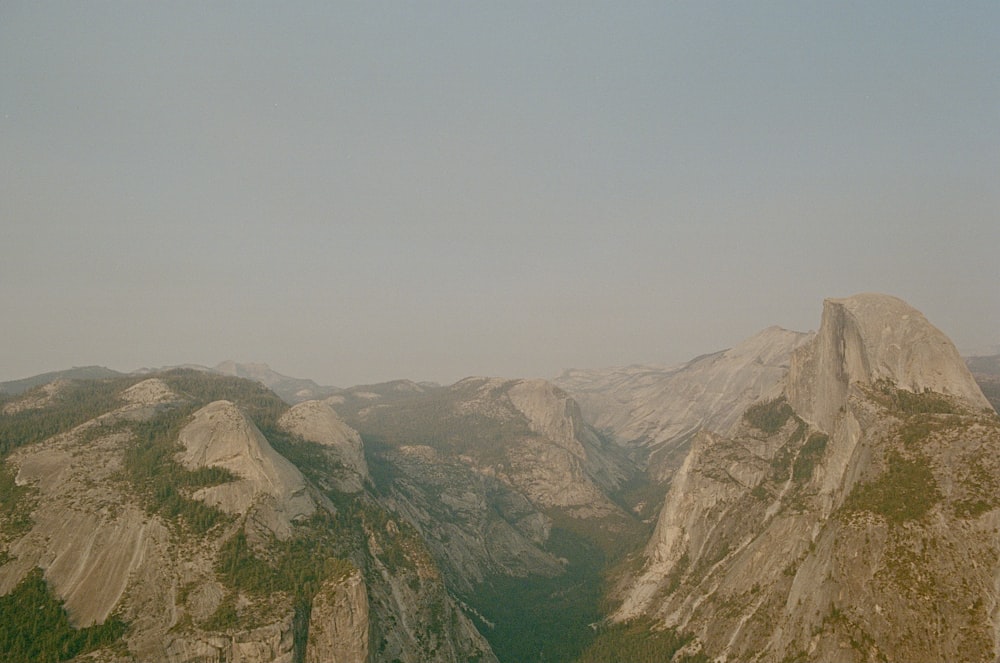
<point>527,433</point>
<point>36,399</point>
<point>271,643</point>
<point>220,435</point>
<point>556,417</point>
<point>476,526</point>
<point>316,421</point>
<point>191,591</point>
<point>151,392</point>
<point>867,338</point>
<point>830,497</point>
<point>557,461</point>
<point>86,536</point>
<point>508,488</point>
<point>656,410</point>
<point>847,519</point>
<point>338,625</point>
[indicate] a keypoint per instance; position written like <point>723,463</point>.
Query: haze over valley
<point>806,496</point>
<point>516,332</point>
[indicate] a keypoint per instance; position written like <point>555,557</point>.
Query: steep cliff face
<point>510,490</point>
<point>527,433</point>
<point>655,411</point>
<point>850,518</point>
<point>831,497</point>
<point>868,338</point>
<point>338,624</point>
<point>475,526</point>
<point>564,464</point>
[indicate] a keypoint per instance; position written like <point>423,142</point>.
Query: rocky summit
<point>827,496</point>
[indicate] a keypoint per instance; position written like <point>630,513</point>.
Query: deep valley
<point>799,497</point>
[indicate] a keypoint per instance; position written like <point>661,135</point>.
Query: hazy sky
<point>355,192</point>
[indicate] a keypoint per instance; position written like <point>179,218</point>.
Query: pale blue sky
<point>356,192</point>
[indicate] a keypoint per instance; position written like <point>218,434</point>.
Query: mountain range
<point>801,496</point>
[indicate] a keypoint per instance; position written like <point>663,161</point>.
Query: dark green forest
<point>34,626</point>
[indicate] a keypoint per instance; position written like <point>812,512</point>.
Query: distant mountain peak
<point>291,390</point>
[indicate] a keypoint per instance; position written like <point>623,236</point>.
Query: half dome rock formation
<point>315,421</point>
<point>799,497</point>
<point>220,435</point>
<point>871,337</point>
<point>850,516</point>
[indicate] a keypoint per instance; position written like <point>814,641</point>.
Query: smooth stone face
<point>657,409</point>
<point>220,435</point>
<point>315,421</point>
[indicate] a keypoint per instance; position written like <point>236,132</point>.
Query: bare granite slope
<point>316,421</point>
<point>655,410</point>
<point>220,435</point>
<point>872,337</point>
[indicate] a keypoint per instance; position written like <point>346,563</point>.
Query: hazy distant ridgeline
<point>797,497</point>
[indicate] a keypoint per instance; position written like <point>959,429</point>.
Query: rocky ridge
<point>316,421</point>
<point>529,434</point>
<point>829,496</point>
<point>291,390</point>
<point>848,518</point>
<point>655,411</point>
<point>510,489</point>
<point>228,580</point>
<point>268,486</point>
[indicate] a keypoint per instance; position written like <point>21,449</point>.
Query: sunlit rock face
<point>220,435</point>
<point>867,338</point>
<point>849,516</point>
<point>339,622</point>
<point>316,421</point>
<point>655,411</point>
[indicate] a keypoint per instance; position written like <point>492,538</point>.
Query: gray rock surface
<point>86,537</point>
<point>338,625</point>
<point>104,554</point>
<point>316,421</point>
<point>772,545</point>
<point>872,337</point>
<point>656,410</point>
<point>220,435</point>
